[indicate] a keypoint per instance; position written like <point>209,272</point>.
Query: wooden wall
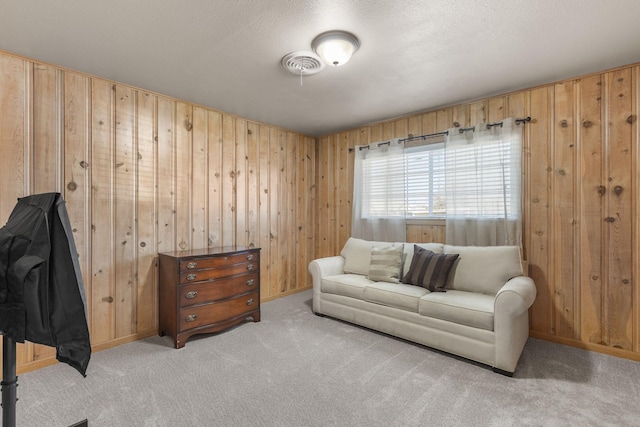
<point>143,173</point>
<point>581,200</point>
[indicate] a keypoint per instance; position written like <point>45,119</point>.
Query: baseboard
<point>124,340</point>
<point>284,294</point>
<point>598,348</point>
<point>41,363</point>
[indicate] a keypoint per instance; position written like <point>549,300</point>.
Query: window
<point>420,170</point>
<point>383,179</point>
<point>425,181</point>
<point>482,181</point>
<point>472,182</point>
<point>481,191</point>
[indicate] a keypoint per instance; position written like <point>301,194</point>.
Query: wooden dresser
<point>208,290</point>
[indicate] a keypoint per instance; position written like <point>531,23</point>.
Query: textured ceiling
<point>414,55</point>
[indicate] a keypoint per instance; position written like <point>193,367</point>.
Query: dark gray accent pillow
<point>429,270</point>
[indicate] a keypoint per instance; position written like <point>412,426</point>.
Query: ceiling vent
<point>302,63</point>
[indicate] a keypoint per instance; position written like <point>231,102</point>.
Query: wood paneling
<point>592,197</point>
<point>146,152</point>
<point>124,203</point>
<point>102,298</point>
<point>563,250</point>
<point>214,187</point>
<point>620,147</point>
<point>538,207</point>
<point>143,173</point>
<point>580,201</point>
<point>199,179</point>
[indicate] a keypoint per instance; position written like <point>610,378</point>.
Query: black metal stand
<point>9,382</point>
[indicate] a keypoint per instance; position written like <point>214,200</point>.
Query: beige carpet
<point>297,369</point>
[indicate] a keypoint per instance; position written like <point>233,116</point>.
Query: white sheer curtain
<point>483,172</point>
<point>379,198</point>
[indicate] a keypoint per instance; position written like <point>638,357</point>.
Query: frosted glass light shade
<point>335,47</point>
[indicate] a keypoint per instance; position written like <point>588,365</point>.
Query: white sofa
<point>482,316</point>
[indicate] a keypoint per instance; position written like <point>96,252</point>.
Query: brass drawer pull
<point>250,257</point>
<point>191,276</point>
<point>250,267</point>
<point>192,265</point>
<point>191,294</point>
<point>250,301</point>
<point>250,282</point>
<point>191,318</point>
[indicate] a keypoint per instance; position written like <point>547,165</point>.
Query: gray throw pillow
<point>385,264</point>
<point>429,270</point>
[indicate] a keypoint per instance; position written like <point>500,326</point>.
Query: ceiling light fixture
<point>335,47</point>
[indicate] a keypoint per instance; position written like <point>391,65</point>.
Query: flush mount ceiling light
<point>335,47</point>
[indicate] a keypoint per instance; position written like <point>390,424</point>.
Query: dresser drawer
<point>213,262</point>
<point>190,276</point>
<point>203,292</point>
<point>208,314</point>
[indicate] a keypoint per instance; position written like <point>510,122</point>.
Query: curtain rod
<point>431,135</point>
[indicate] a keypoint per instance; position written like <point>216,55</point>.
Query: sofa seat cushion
<point>349,285</point>
<point>466,308</point>
<point>397,295</point>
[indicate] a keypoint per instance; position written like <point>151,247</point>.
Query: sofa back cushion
<point>357,255</point>
<point>483,269</point>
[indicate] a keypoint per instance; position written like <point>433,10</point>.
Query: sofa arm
<point>323,267</point>
<point>511,321</point>
<point>516,296</point>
